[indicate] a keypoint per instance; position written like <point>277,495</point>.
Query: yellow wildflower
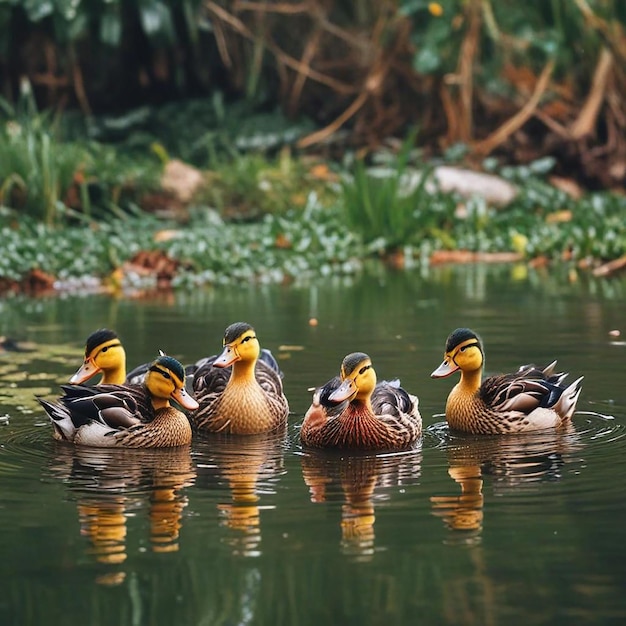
<point>435,9</point>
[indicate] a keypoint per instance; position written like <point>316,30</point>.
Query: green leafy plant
<point>248,186</point>
<point>37,170</point>
<point>391,206</point>
<point>51,180</point>
<point>316,240</point>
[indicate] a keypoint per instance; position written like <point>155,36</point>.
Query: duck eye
<point>364,369</point>
<point>166,375</point>
<point>105,349</point>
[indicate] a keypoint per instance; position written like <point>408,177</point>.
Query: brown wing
<point>391,399</point>
<point>524,390</point>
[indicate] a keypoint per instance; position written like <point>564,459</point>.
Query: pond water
<point>509,530</point>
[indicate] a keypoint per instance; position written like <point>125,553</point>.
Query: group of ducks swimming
<point>240,392</point>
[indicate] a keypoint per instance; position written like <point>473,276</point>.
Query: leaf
<point>156,20</point>
<point>67,8</point>
<point>426,61</point>
<point>77,26</point>
<point>38,10</point>
<point>111,28</point>
<point>408,7</point>
<point>191,20</point>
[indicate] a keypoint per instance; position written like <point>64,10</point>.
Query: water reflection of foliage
<point>110,485</point>
<point>513,464</point>
<point>243,467</point>
<point>378,292</point>
<point>358,481</point>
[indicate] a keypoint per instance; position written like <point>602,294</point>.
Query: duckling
<point>104,354</point>
<point>526,400</point>
<point>353,411</point>
<point>240,391</point>
<point>126,416</point>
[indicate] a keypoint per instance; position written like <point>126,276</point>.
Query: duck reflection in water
<point>110,485</point>
<point>513,463</point>
<point>359,480</point>
<point>243,467</point>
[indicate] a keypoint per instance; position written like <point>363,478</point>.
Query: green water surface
<point>461,530</point>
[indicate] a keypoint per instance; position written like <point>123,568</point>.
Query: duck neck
<point>160,403</point>
<point>243,372</point>
<point>362,406</point>
<point>470,380</point>
<point>114,376</point>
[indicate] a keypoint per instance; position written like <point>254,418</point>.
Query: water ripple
<point>523,470</point>
<point>25,447</point>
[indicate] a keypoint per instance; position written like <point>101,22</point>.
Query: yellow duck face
<point>165,381</point>
<point>105,354</point>
<point>240,344</point>
<point>358,379</point>
<point>464,352</point>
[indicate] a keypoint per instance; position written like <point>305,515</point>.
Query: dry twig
<point>501,134</point>
<point>611,267</point>
<point>585,123</point>
<point>237,25</point>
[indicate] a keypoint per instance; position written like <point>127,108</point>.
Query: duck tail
<point>566,405</point>
<point>549,369</point>
<point>60,418</point>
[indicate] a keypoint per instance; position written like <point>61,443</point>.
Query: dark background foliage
<point>518,80</point>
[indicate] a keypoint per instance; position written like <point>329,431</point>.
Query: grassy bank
<point>328,235</point>
<point>77,212</point>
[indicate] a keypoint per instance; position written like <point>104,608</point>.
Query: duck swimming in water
<point>126,416</point>
<point>529,399</point>
<point>354,411</point>
<point>239,391</point>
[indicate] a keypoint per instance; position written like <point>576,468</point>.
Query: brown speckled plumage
<point>245,408</point>
<point>529,399</point>
<point>383,417</point>
<point>169,427</point>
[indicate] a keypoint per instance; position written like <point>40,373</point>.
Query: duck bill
<point>345,391</point>
<point>228,357</point>
<point>184,399</point>
<point>445,369</point>
<point>85,372</point>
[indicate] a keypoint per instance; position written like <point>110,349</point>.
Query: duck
<point>126,416</point>
<point>104,354</point>
<point>240,391</point>
<point>354,411</point>
<point>530,399</point>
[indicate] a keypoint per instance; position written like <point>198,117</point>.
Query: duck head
<point>240,344</point>
<point>104,354</point>
<point>165,381</point>
<point>464,351</point>
<point>358,379</point>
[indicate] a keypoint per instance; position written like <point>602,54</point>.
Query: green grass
<point>390,206</point>
<point>302,218</point>
<point>315,241</point>
<point>247,186</point>
<point>36,170</point>
<point>53,180</point>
